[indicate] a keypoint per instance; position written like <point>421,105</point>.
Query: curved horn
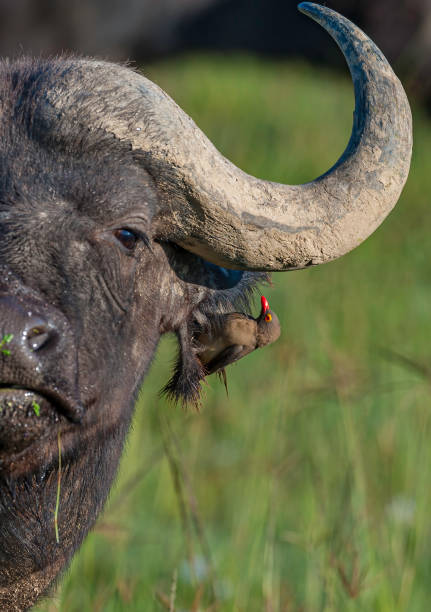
<point>212,208</point>
<point>249,223</point>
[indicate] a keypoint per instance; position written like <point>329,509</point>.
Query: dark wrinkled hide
<point>63,193</point>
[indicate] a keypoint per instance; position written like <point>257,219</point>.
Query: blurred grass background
<point>308,488</point>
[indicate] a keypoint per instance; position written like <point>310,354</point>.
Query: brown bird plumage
<point>233,336</point>
<point>237,335</point>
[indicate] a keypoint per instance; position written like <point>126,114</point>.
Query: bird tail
<point>222,375</point>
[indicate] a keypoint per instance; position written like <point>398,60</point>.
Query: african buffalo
<point>119,222</point>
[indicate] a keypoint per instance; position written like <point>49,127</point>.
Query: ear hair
<point>184,386</point>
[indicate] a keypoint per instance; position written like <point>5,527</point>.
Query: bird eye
<point>268,317</point>
<point>127,238</point>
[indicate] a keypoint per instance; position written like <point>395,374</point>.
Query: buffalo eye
<point>127,238</point>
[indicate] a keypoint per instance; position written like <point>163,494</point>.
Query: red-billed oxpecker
<point>238,335</point>
<point>233,336</point>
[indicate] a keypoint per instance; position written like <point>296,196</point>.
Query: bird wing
<point>225,357</point>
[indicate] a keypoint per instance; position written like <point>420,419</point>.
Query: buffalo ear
<point>185,384</point>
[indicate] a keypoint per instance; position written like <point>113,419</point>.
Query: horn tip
<point>318,12</point>
<point>309,8</point>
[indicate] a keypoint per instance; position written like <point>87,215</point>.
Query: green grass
<point>309,488</point>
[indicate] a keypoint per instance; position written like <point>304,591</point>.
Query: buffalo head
<point>119,221</point>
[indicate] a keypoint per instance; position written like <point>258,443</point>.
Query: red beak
<point>265,305</point>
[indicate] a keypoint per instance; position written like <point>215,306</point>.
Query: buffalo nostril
<point>40,337</point>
